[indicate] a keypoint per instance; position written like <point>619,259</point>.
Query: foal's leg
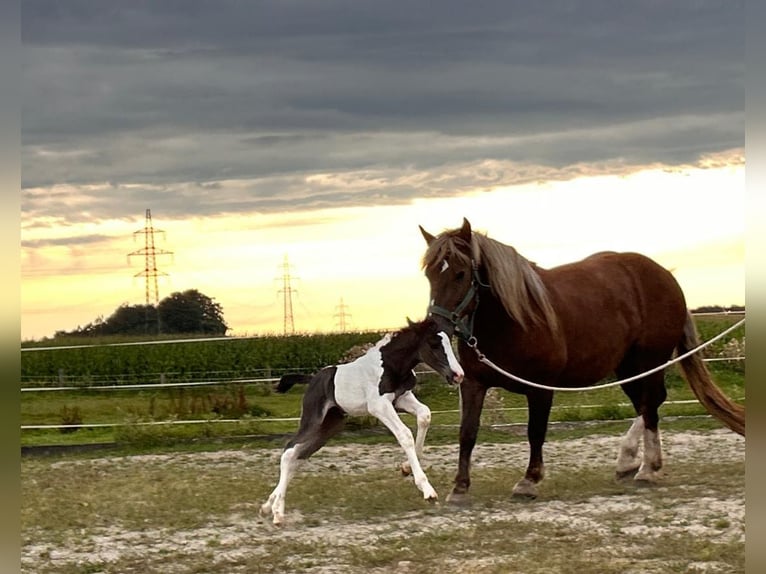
<point>539,406</point>
<point>309,439</point>
<point>383,410</point>
<point>472,396</point>
<point>408,403</point>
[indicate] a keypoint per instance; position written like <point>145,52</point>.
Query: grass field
<point>349,510</point>
<point>184,498</point>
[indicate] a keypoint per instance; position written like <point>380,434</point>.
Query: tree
<point>188,312</point>
<point>126,320</point>
<point>130,320</point>
<point>191,312</point>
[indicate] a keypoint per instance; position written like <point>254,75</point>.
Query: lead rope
<point>473,344</point>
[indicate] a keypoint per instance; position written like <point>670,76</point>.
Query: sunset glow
<point>371,256</point>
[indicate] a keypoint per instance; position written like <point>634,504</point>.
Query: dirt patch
<point>234,542</point>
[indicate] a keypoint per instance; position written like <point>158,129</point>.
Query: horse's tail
<point>286,382</point>
<point>697,375</point>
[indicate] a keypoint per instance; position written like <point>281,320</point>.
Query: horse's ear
<point>409,322</point>
<point>427,236</point>
<point>465,231</point>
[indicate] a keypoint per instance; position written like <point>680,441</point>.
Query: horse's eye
<point>459,275</point>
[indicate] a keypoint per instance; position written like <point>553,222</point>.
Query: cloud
<point>202,108</point>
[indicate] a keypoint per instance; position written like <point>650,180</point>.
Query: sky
<point>326,132</point>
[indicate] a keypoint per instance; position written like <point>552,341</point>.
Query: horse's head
<point>450,266</point>
<point>435,350</point>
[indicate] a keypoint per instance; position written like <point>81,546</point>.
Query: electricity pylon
<point>342,314</point>
<point>287,296</point>
<point>150,253</point>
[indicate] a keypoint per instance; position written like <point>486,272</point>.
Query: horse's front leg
<point>539,405</point>
<point>472,396</point>
<point>383,410</point>
<point>409,404</point>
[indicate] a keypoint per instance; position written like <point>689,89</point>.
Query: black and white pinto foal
<point>377,383</point>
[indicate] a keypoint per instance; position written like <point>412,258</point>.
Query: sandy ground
<point>244,532</point>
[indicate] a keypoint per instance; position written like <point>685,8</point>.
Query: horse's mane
<point>512,278</point>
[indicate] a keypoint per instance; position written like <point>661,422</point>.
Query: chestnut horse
<point>567,326</point>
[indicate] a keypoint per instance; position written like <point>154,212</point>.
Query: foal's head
<point>435,349</point>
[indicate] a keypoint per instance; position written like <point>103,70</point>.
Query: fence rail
<point>111,385</point>
<point>297,419</point>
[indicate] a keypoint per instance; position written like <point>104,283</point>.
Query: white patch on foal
<point>350,394</point>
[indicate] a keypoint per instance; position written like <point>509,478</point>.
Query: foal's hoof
<point>406,469</point>
<point>458,498</point>
<point>525,489</point>
<point>265,510</point>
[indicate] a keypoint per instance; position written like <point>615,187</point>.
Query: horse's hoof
<point>525,489</point>
<point>625,474</point>
<point>265,510</point>
<point>458,498</point>
<point>523,496</point>
<point>406,469</point>
<point>646,478</point>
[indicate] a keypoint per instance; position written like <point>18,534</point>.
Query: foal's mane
<point>406,337</point>
<point>512,278</point>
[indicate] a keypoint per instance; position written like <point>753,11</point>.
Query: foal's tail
<point>697,375</point>
<point>286,382</point>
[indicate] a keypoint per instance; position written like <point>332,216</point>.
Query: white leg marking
<point>652,456</point>
<point>384,411</point>
<point>408,403</point>
<point>276,502</point>
<point>627,459</point>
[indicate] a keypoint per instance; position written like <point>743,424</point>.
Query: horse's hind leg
<point>646,394</point>
<point>408,403</point>
<point>654,395</point>
<point>628,460</point>
<point>310,438</point>
<point>539,404</point>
